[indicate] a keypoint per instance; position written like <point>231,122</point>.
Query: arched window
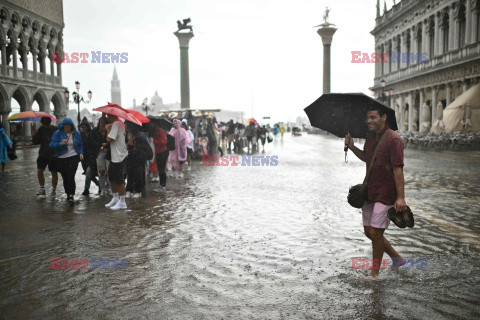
<point>462,24</point>
<point>478,26</point>
<point>407,47</point>
<point>419,42</point>
<point>431,40</point>
<point>446,31</point>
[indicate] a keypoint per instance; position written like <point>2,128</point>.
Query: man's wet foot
<point>397,263</point>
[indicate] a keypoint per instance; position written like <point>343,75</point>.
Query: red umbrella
<point>116,110</point>
<point>139,116</point>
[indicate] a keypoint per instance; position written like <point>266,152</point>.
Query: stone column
<point>448,94</point>
<point>52,66</point>
<point>59,70</point>
<point>468,23</point>
<point>23,57</point>
<point>326,32</point>
<point>184,40</point>
<point>421,102</point>
<point>35,67</point>
<point>410,110</point>
<point>4,57</point>
<point>402,110</point>
<point>5,123</point>
<point>464,86</point>
<point>434,103</point>
<point>15,58</point>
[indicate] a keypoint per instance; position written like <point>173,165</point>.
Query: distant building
<point>154,105</point>
<point>30,32</point>
<point>115,88</point>
<point>445,34</point>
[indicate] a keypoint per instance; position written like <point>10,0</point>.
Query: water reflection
<point>246,242</point>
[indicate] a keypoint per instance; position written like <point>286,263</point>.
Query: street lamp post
<point>382,96</point>
<point>145,106</point>
<point>77,98</point>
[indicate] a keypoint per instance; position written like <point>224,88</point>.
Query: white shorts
<point>375,215</point>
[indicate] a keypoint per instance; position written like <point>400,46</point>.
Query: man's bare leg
<point>397,259</point>
<point>376,235</point>
<point>118,188</point>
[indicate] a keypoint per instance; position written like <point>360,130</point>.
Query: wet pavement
<point>271,242</point>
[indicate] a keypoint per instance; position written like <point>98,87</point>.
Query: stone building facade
<point>445,34</point>
<point>31,30</point>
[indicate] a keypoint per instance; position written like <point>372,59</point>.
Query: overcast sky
<point>260,52</point>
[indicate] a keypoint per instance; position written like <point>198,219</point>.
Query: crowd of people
<point>118,156</point>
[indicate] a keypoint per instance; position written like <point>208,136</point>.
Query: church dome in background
<point>157,100</point>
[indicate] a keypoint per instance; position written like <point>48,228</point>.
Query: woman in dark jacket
<point>139,151</point>
<point>89,163</point>
<point>68,146</point>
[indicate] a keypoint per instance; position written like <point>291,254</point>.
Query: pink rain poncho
<point>181,141</point>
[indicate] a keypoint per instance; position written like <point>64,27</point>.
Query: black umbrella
<point>343,113</point>
<point>161,121</point>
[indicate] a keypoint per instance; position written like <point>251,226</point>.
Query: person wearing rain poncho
<point>4,143</point>
<point>178,156</point>
<point>68,146</point>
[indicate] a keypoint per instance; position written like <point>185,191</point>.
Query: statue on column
<point>325,16</point>
<point>184,25</point>
<point>426,119</point>
<point>405,118</point>
<point>439,126</point>
<point>415,119</point>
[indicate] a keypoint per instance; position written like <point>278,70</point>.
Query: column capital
<point>184,38</point>
<point>326,33</point>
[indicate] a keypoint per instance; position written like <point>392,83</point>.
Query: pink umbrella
<point>116,110</point>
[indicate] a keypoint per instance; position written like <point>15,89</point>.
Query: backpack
<point>170,142</point>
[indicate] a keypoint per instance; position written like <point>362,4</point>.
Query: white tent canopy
<point>463,114</point>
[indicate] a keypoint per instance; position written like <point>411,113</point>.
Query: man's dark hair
<point>380,110</point>
<point>46,121</point>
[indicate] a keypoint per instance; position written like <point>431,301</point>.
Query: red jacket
<point>160,141</point>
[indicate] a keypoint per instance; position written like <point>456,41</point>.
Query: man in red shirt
<point>161,155</point>
<point>385,185</point>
